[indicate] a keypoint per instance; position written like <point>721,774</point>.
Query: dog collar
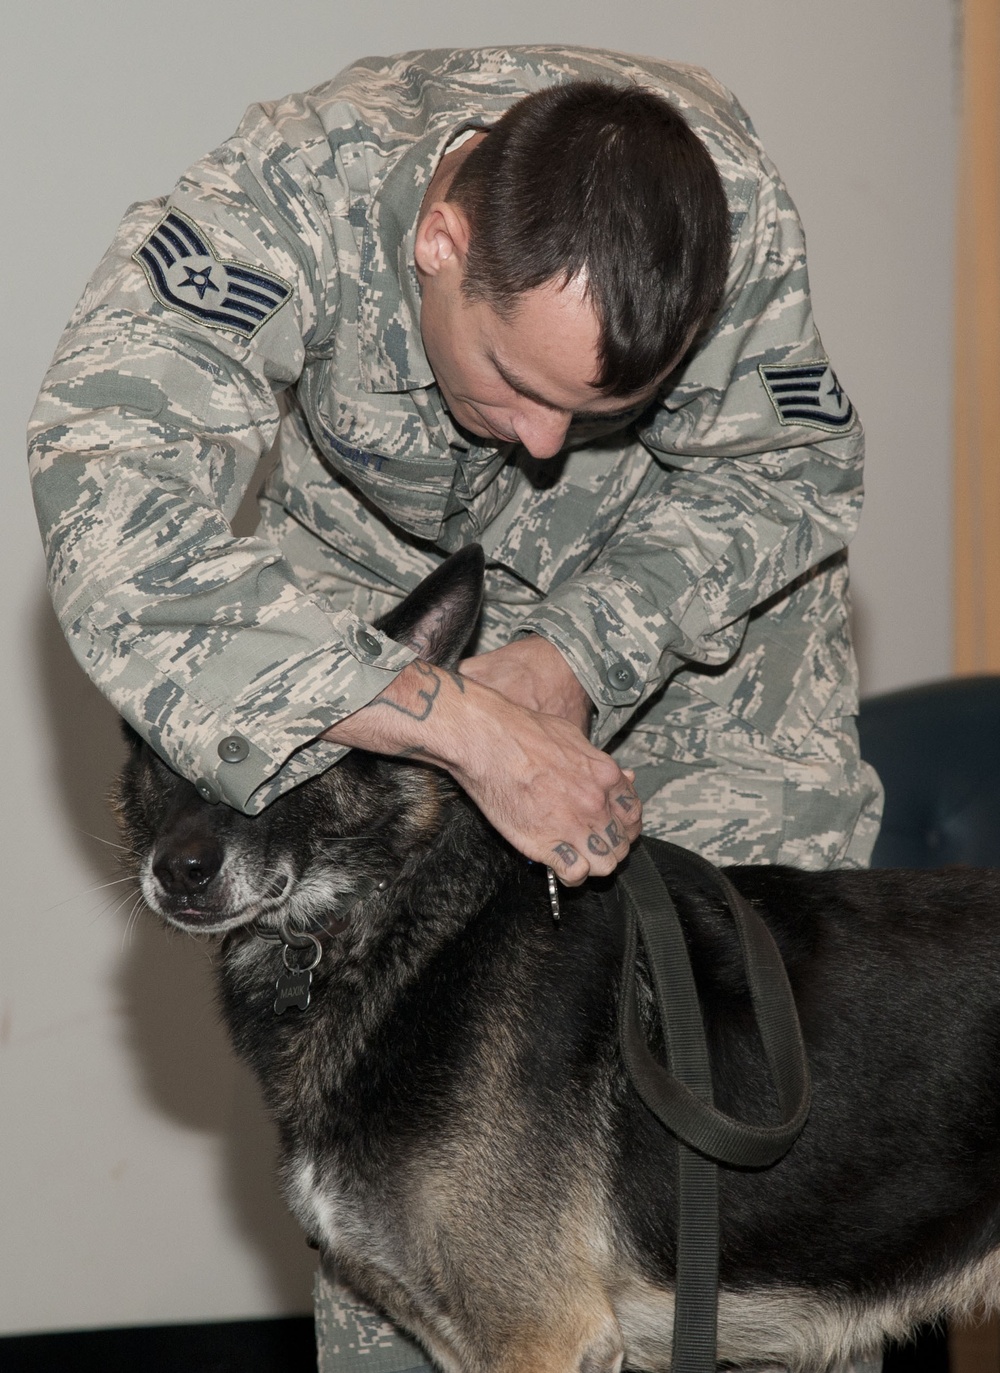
<point>294,985</point>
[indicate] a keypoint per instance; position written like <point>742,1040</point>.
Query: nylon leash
<point>680,1093</point>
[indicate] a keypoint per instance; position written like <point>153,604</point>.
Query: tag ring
<point>317,954</point>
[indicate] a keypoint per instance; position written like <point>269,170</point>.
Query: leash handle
<point>680,1097</point>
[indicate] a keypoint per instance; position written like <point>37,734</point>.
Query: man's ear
<point>442,241</point>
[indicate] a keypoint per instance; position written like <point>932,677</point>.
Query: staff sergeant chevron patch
<point>808,393</point>
<point>185,275</point>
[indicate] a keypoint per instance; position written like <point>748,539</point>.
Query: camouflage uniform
<point>677,552</point>
<point>690,567</point>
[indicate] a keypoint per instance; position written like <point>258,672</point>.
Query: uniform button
<point>620,676</point>
<point>234,748</point>
<point>207,791</point>
<point>369,642</point>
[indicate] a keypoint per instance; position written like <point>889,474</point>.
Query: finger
<point>627,807</point>
<point>569,866</point>
<point>602,855</point>
<point>617,837</point>
<point>604,844</point>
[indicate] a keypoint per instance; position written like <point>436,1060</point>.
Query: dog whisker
<point>86,891</point>
<point>113,882</point>
<point>124,848</point>
<point>132,921</point>
<point>135,896</point>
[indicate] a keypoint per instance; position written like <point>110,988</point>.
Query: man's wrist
<point>533,673</point>
<point>419,714</point>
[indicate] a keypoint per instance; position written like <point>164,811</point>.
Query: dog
<point>458,1134</point>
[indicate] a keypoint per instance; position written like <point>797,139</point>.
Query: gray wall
<point>134,1183</point>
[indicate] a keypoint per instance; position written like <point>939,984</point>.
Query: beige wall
<point>977,348</point>
<point>134,1167</point>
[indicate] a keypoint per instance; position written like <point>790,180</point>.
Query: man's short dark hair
<point>608,181</point>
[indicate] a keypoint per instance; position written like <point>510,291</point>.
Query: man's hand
<point>532,673</point>
<point>553,795</point>
<point>535,777</point>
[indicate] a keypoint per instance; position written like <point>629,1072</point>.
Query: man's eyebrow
<point>523,389</point>
<point>633,409</point>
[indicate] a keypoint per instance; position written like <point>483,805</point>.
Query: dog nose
<point>188,868</point>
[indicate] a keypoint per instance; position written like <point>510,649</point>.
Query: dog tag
<point>293,989</point>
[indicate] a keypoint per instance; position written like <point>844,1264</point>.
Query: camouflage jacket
<point>282,263</point>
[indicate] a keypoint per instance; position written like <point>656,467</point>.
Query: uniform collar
<point>391,353</point>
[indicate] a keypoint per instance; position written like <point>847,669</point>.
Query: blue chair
<point>937,750</point>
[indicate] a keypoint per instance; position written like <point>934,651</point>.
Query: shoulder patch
<point>807,393</point>
<point>185,275</point>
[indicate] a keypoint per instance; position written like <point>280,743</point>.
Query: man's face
<point>522,379</point>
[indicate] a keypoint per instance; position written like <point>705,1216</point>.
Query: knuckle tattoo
<point>567,853</point>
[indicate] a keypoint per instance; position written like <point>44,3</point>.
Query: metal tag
<point>293,989</point>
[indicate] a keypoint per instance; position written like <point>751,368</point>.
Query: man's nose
<point>542,431</point>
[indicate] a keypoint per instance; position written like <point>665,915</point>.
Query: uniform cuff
<point>618,665</point>
<point>265,738</point>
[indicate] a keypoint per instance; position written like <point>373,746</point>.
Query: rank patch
<point>808,393</point>
<point>185,275</point>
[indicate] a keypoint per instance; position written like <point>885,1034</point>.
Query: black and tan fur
<point>458,1134</point>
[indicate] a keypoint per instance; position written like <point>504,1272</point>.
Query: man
<point>570,322</point>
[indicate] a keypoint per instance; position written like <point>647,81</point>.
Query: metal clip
<point>553,894</point>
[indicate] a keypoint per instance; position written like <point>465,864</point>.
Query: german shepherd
<point>458,1132</point>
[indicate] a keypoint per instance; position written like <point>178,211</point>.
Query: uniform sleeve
<point>756,478</point>
<point>159,403</point>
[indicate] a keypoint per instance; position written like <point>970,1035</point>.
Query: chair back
<point>937,750</point>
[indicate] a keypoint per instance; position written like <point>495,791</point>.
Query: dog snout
<point>186,867</point>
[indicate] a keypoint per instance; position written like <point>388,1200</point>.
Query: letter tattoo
<point>597,845</point>
<point>426,695</point>
<point>566,853</point>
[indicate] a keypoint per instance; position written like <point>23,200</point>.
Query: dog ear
<point>437,618</point>
<point>131,736</point>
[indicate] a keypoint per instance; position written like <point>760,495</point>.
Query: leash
<point>680,1094</point>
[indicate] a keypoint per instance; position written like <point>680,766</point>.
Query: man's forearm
<point>407,718</point>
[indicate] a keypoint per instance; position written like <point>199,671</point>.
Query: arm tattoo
<point>426,696</point>
<point>567,853</point>
<point>597,845</point>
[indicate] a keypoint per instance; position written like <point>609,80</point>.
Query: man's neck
<point>444,172</point>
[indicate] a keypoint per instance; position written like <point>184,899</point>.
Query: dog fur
<point>457,1131</point>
